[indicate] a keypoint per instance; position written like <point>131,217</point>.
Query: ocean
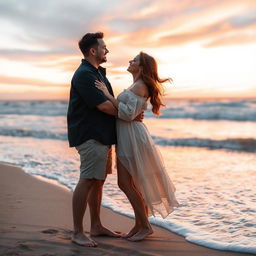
<point>209,150</point>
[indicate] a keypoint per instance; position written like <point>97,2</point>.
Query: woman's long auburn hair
<point>150,77</point>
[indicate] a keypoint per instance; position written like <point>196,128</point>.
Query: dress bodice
<point>130,105</point>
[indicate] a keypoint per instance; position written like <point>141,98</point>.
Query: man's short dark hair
<point>88,41</point>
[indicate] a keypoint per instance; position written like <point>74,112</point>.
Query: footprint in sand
<point>50,231</point>
<point>24,247</point>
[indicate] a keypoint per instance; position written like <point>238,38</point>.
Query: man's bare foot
<point>142,234</point>
<point>83,240</point>
<point>102,231</point>
<point>132,232</point>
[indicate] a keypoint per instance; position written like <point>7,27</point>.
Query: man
<point>91,129</point>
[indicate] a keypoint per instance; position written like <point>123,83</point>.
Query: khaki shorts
<point>96,160</point>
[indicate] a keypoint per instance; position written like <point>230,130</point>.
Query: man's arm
<point>108,108</point>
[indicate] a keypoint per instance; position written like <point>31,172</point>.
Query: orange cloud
<point>50,42</point>
<point>29,81</point>
<point>181,22</point>
<point>65,64</point>
<point>236,38</point>
<point>218,33</point>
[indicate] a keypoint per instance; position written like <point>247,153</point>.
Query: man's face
<point>101,52</point>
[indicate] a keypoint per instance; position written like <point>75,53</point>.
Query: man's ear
<point>92,51</point>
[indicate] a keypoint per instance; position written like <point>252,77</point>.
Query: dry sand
<point>36,219</point>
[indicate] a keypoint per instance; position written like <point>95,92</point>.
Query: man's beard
<point>100,59</point>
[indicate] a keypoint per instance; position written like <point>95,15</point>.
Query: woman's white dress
<point>138,154</point>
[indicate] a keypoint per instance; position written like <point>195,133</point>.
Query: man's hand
<point>139,117</point>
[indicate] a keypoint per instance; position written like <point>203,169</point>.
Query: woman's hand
<point>101,86</point>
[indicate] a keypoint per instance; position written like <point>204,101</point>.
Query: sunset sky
<point>208,47</point>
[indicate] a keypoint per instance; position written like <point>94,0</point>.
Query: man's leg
<point>79,203</point>
<point>94,201</point>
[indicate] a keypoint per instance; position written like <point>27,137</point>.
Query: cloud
<point>244,20</point>
<point>44,33</point>
<point>133,25</point>
<point>53,24</point>
<point>232,30</point>
<point>29,81</point>
<point>31,55</point>
<point>204,32</point>
<point>56,26</point>
<point>63,64</point>
<point>234,39</point>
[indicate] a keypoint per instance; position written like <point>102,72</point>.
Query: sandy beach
<point>36,219</point>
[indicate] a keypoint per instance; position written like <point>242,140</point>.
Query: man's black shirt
<point>85,121</point>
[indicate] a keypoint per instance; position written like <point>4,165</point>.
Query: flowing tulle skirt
<point>138,154</point>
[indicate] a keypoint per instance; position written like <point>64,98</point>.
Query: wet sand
<point>36,219</point>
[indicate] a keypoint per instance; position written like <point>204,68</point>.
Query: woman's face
<point>134,66</point>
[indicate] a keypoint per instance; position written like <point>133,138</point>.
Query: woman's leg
<point>142,226</point>
<point>145,206</point>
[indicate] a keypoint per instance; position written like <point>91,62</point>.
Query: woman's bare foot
<point>141,234</point>
<point>83,240</point>
<point>132,232</point>
<point>102,231</point>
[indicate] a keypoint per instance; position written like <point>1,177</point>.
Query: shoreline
<point>36,218</point>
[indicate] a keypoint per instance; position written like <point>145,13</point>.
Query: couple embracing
<point>96,121</point>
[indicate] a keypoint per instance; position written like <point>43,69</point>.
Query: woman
<point>141,173</point>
